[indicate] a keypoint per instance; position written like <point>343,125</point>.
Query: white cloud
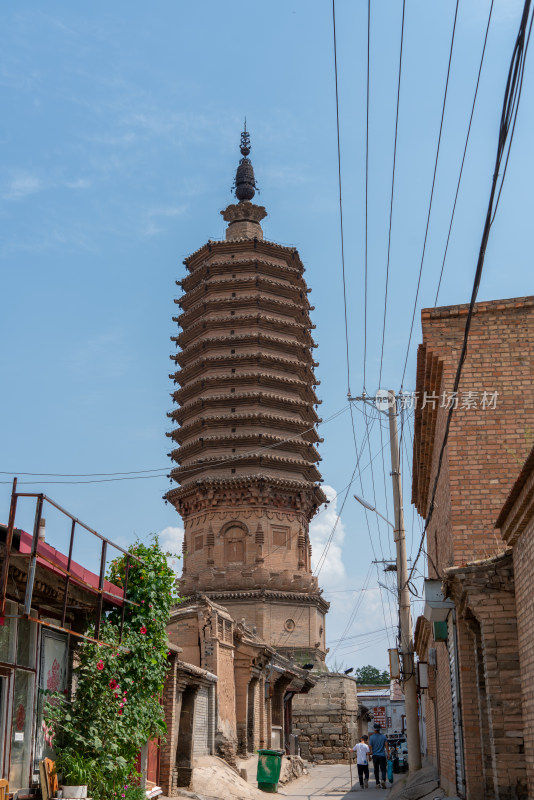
<point>171,539</point>
<point>332,568</point>
<point>22,185</point>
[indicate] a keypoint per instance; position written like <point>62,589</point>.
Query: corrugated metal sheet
<point>201,730</point>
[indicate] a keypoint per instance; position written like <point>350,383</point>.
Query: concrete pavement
<point>331,782</point>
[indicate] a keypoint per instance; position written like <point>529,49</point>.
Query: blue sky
<point>118,146</point>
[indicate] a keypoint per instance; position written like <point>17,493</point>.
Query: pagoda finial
<point>245,183</point>
<point>245,140</point>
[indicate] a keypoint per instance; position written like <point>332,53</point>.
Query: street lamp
<point>369,507</point>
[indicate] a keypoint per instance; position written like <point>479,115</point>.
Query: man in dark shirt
<point>379,751</point>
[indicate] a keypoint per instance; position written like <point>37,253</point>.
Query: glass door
<point>21,729</point>
<point>4,722</point>
<point>52,678</point>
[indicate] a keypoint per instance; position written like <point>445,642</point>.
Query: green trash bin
<point>269,765</point>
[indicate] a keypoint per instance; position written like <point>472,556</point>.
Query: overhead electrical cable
<point>341,202</point>
<point>431,192</point>
<point>464,154</point>
<point>392,193</point>
<point>358,635</point>
<point>366,195</point>
<point>510,109</point>
<point>365,509</point>
<point>166,469</point>
<point>354,611</point>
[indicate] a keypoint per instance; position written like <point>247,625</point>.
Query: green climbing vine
<point>116,705</point>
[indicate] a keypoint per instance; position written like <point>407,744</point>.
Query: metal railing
<point>35,555</point>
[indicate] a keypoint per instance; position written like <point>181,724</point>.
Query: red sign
<point>379,715</point>
<point>20,718</point>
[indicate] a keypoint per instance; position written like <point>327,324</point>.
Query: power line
<point>465,151</point>
<point>99,480</point>
<point>359,635</point>
<point>365,510</point>
<point>392,192</point>
<point>341,201</point>
<point>324,554</point>
<point>510,108</point>
<point>352,616</point>
<point>215,462</point>
<point>431,192</point>
<point>80,474</point>
<point>366,194</point>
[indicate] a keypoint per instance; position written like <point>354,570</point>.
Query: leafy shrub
<point>116,708</point>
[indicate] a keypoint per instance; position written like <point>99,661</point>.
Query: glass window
<point>7,635</point>
<point>4,687</point>
<point>21,730</point>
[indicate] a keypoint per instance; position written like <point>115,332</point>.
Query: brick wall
<point>524,572</point>
<point>516,522</point>
<point>326,719</point>
<point>171,705</point>
<point>491,680</point>
<point>475,727</point>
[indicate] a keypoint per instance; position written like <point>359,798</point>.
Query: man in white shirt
<point>362,750</point>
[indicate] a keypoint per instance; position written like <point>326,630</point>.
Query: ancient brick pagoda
<point>246,471</point>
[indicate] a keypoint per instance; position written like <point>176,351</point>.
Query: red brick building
<point>473,706</point>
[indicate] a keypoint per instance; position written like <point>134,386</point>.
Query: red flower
<point>120,710</point>
<point>113,684</point>
<point>100,665</point>
<point>142,629</point>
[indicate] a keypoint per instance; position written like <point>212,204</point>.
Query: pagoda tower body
<point>245,435</point>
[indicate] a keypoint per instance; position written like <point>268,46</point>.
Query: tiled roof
<point>259,265</point>
<point>258,245</point>
<point>267,398</point>
<point>260,318</point>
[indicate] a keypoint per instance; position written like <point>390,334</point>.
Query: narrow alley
<point>331,781</point>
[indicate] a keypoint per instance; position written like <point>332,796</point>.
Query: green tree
<point>116,707</point>
<point>371,675</point>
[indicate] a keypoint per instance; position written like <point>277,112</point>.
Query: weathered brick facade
<point>484,595</point>
<point>251,677</point>
<point>480,750</point>
<point>327,720</point>
<point>189,703</point>
<point>516,523</point>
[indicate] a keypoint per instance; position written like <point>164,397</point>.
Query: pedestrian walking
<point>379,753</point>
<point>362,753</point>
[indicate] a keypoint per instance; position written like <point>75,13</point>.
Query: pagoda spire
<point>245,183</point>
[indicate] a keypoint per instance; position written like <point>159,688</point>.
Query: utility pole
<point>406,634</point>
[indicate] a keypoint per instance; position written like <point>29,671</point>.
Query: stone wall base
<point>326,719</point>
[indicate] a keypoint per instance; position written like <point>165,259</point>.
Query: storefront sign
<point>379,715</point>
